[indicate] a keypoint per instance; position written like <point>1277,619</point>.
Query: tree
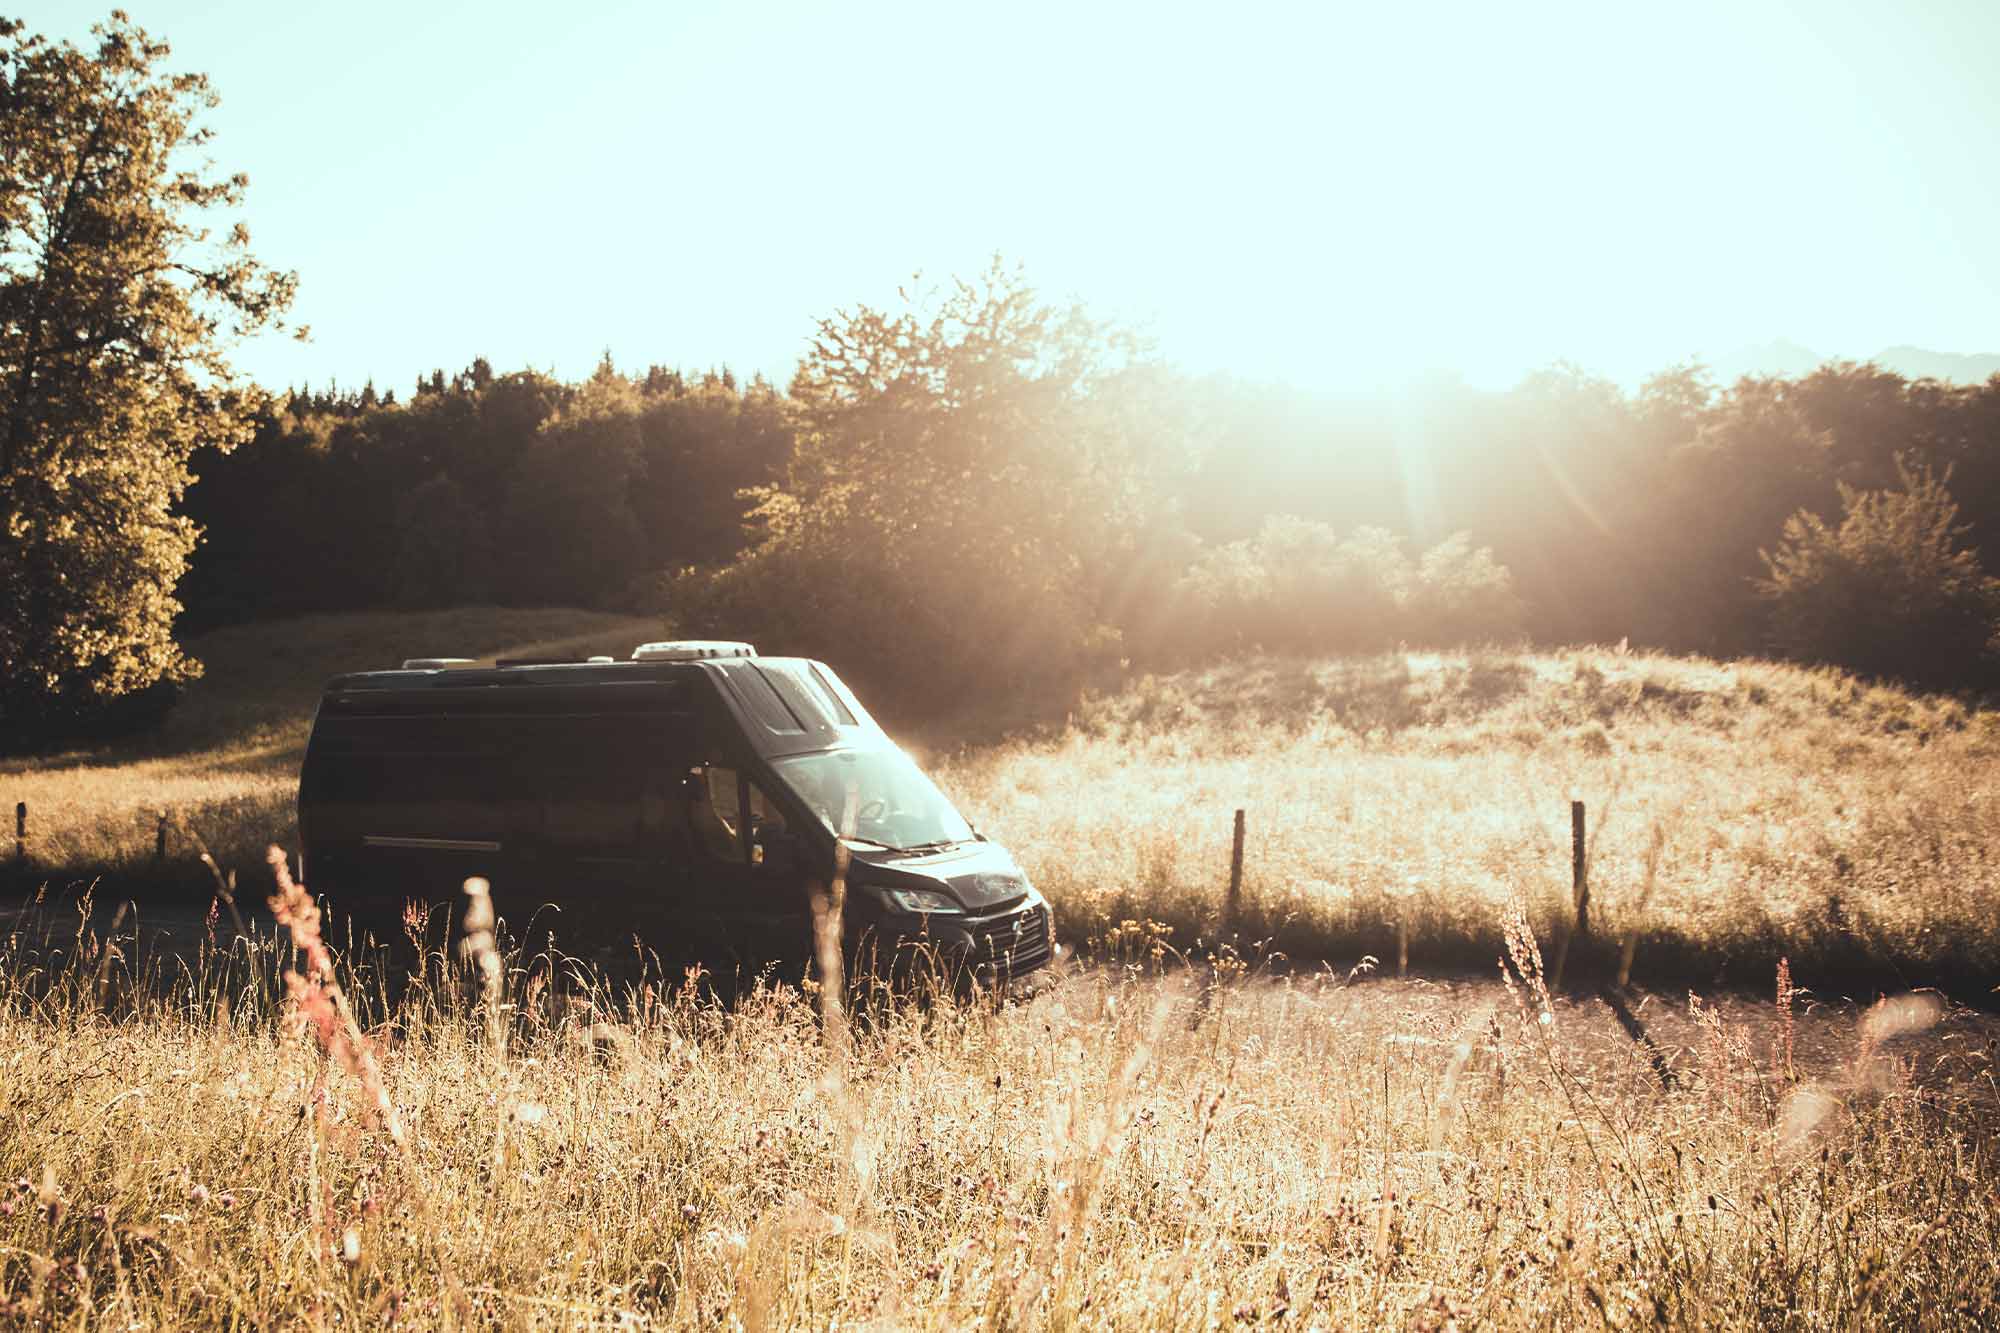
<point>118,304</point>
<point>702,446</point>
<point>443,548</point>
<point>568,533</point>
<point>1753,458</point>
<point>1892,591</point>
<point>971,501</point>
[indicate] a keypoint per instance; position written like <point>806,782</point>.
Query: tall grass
<point>502,1139</point>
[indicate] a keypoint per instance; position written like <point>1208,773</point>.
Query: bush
<point>1299,586</point>
<point>1890,592</point>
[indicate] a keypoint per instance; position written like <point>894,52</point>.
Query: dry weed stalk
<point>1526,981</point>
<point>1655,845</point>
<point>1787,1064</point>
<point>316,1002</point>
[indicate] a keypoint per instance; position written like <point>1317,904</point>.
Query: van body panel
<point>682,803</point>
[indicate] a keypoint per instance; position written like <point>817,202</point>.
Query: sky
<point>1332,195</point>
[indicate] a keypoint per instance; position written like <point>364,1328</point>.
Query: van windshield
<point>894,803</point>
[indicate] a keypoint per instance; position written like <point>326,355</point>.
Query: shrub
<point>1892,591</point>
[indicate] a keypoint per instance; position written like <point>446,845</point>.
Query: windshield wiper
<point>937,846</point>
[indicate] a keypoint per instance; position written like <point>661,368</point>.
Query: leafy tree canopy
<point>120,296</point>
<point>974,487</point>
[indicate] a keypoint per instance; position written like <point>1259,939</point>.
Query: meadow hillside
<point>1738,811</point>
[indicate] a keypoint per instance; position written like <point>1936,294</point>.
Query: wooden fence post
<point>1235,899</point>
<point>160,840</point>
<point>20,830</point>
<point>1578,871</point>
<point>1579,886</point>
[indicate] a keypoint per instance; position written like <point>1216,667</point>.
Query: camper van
<point>691,797</point>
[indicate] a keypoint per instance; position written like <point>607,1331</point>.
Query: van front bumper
<point>991,949</point>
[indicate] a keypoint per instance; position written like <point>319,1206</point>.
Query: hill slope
<point>1738,812</point>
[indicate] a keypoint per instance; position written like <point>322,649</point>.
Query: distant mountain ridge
<point>1789,360</point>
<point>1922,363</point>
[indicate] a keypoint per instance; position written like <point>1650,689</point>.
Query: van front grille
<point>1010,945</point>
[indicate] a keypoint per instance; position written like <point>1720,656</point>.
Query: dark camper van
<point>690,797</point>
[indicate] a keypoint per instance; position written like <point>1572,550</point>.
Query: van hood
<point>980,876</point>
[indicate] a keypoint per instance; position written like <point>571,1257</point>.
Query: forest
<point>1162,517</point>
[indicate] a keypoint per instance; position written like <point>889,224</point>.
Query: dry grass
<point>1739,812</point>
<point>226,763</point>
<point>200,1141</point>
<point>1137,1149</point>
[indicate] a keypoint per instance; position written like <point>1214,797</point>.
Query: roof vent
<point>688,650</point>
<point>434,663</point>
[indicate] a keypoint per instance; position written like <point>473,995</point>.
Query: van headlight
<point>925,901</point>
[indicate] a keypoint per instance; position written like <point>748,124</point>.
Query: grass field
<point>1739,812</point>
<point>1143,1147</point>
<point>192,1141</point>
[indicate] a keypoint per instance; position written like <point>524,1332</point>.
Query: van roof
<point>786,705</point>
<point>527,671</point>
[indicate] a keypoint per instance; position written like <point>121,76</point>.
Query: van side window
<point>764,812</point>
<point>767,821</point>
<point>717,812</point>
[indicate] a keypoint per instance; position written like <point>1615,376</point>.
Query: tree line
<point>983,489</point>
<point>975,488</point>
<point>515,489</point>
